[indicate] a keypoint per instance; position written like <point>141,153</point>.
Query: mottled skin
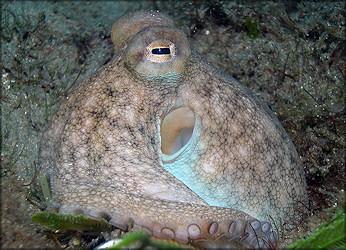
<point>109,151</point>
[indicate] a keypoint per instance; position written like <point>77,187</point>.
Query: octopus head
<point>155,53</point>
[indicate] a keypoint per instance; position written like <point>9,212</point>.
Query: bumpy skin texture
<point>102,151</point>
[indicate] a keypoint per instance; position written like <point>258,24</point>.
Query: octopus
<point>161,138</point>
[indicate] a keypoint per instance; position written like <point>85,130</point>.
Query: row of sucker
<point>250,233</point>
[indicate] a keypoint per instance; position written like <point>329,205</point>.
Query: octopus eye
<point>161,51</point>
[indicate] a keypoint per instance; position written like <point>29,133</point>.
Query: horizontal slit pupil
<point>161,51</point>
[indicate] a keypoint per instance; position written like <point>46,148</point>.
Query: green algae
<point>330,236</point>
<point>58,221</point>
<point>252,27</point>
<point>141,240</point>
<point>45,188</point>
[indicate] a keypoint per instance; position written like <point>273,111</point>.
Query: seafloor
<point>290,53</point>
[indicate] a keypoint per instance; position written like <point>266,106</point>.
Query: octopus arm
<point>167,219</point>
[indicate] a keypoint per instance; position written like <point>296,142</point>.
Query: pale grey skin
<point>102,151</point>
